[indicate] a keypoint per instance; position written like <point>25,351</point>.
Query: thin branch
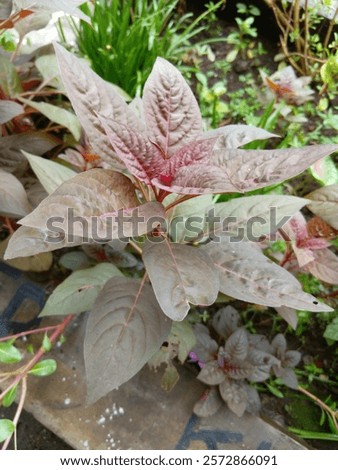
<point>18,413</point>
<point>25,370</point>
<point>29,332</point>
<point>322,405</point>
<point>330,29</point>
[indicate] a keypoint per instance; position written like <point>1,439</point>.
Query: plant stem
<point>178,201</point>
<point>330,29</point>
<point>29,332</point>
<point>322,405</point>
<point>136,247</point>
<point>58,331</point>
<point>18,413</point>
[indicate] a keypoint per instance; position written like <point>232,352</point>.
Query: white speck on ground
<point>101,420</point>
<point>67,401</point>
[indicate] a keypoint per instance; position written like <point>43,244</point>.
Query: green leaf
<point>46,343</point>
<point>44,368</point>
<point>10,396</point>
<point>170,378</point>
<point>331,331</point>
<point>78,292</point>
<point>48,67</point>
<point>275,391</point>
<point>51,174</point>
<point>182,334</point>
<point>7,427</point>
<point>9,354</point>
<point>9,78</point>
<point>325,171</point>
<point>58,115</point>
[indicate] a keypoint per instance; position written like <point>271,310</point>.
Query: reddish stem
<point>30,332</point>
<point>58,331</point>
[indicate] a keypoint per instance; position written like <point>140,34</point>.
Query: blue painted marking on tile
<point>264,445</point>
<point>27,290</point>
<point>10,271</point>
<point>210,437</point>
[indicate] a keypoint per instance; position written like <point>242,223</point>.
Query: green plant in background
<point>126,36</point>
<point>244,37</point>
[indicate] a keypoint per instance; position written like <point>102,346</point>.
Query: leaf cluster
<point>241,360</point>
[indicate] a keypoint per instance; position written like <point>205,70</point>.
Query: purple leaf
<point>209,403</point>
<point>226,321</point>
<point>289,315</point>
<point>180,274</point>
<point>125,329</point>
<point>9,110</point>
<point>211,374</point>
<point>234,395</point>
<point>324,266</point>
<point>237,345</point>
<point>246,274</point>
<point>142,158</point>
<point>205,348</point>
<point>324,202</point>
<point>90,95</point>
<point>171,111</point>
<point>237,135</point>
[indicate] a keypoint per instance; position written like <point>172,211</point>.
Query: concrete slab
<point>140,415</point>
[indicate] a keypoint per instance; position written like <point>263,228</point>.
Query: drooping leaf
<point>234,395</point>
<point>91,96</point>
<point>246,274</point>
<point>9,79</point>
<point>225,321</point>
<point>9,354</point>
<point>180,275</point>
<point>76,207</point>
<point>171,111</point>
<point>289,315</point>
<point>211,374</point>
<point>325,204</point>
<point>7,427</point>
<point>234,170</point>
<point>9,110</point>
<point>13,197</point>
<point>251,217</point>
<point>209,403</point>
<point>51,174</point>
<point>324,266</point>
<point>11,158</point>
<point>58,115</point>
<point>78,292</point>
<point>125,329</point>
<point>28,241</point>
<point>40,262</point>
<point>44,368</point>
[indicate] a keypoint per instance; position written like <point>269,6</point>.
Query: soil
<point>292,410</point>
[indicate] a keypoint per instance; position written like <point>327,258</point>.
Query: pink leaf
<point>171,111</point>
<point>142,158</point>
<point>233,170</point>
<point>324,266</point>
